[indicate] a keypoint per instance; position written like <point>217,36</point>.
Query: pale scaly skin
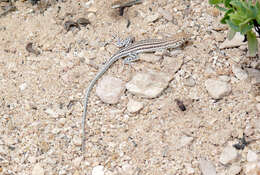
<point>150,45</point>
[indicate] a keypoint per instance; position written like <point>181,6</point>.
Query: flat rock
<point>251,156</point>
<point>109,89</point>
<point>217,88</point>
<point>134,106</point>
<point>184,140</point>
<point>37,170</point>
<point>189,81</point>
<point>148,85</point>
<point>254,75</point>
<point>235,42</point>
<point>252,168</point>
<point>239,73</point>
<point>234,170</point>
<point>228,155</point>
<point>98,170</point>
<point>207,168</point>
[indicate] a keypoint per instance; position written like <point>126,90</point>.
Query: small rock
<point>52,113</point>
<point>257,98</point>
<point>98,170</point>
<point>76,140</point>
<point>239,73</point>
<point>189,169</point>
<point>189,81</point>
<point>252,168</point>
<point>256,124</point>
<point>152,18</point>
<point>228,155</point>
<point>37,170</point>
<point>23,86</point>
<point>134,106</point>
<point>235,42</point>
<point>77,161</point>
<point>224,78</point>
<point>185,140</point>
<point>151,58</point>
<point>254,74</point>
<point>109,89</point>
<point>172,65</point>
<point>148,85</point>
<point>127,169</point>
<point>251,156</point>
<point>166,14</point>
<point>217,88</point>
<point>207,168</point>
<point>220,137</point>
<point>234,170</point>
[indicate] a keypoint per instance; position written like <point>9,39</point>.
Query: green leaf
<point>252,43</point>
<point>214,2</point>
<point>232,26</point>
<point>227,3</point>
<point>231,34</point>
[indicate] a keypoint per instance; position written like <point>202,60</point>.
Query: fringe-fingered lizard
<point>149,45</point>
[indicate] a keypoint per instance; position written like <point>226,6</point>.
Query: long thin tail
<point>88,90</point>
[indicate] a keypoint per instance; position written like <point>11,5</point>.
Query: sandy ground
<point>42,95</point>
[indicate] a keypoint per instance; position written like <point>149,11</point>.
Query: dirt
<point>42,91</point>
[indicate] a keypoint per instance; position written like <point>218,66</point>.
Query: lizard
<point>129,52</point>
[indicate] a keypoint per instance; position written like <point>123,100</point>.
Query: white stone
<point>228,155</point>
<point>189,81</point>
<point>134,106</point>
<point>23,86</point>
<point>148,85</point>
<point>98,170</point>
<point>152,17</point>
<point>234,170</point>
<point>76,140</point>
<point>189,169</point>
<point>166,14</point>
<point>254,74</point>
<point>217,88</point>
<point>37,170</point>
<point>235,42</point>
<point>52,113</point>
<point>252,168</point>
<point>224,78</point>
<point>207,168</point>
<point>185,140</point>
<point>77,161</point>
<point>239,73</point>
<point>258,107</point>
<point>109,89</point>
<point>251,156</point>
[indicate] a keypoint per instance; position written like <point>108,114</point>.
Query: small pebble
<point>251,156</point>
<point>98,170</point>
<point>110,89</point>
<point>217,88</point>
<point>235,42</point>
<point>239,73</point>
<point>234,170</point>
<point>189,81</point>
<point>228,155</point>
<point>23,86</point>
<point>148,85</point>
<point>207,168</point>
<point>37,170</point>
<point>134,106</point>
